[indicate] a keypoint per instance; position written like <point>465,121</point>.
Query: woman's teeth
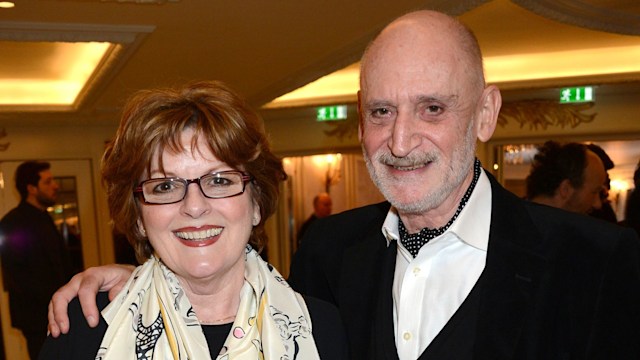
<point>198,235</point>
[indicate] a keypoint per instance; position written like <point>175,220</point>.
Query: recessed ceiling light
<point>65,71</point>
<point>6,4</point>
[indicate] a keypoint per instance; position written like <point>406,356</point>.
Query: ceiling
<point>267,48</point>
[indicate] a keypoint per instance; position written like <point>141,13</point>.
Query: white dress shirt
<point>429,289</point>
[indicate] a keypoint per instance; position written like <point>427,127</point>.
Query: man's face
<point>417,129</point>
<point>587,197</point>
<point>47,190</point>
<point>323,206</point>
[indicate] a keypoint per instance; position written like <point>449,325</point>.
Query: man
<point>632,207</point>
<point>35,261</point>
<point>606,211</point>
<point>321,208</point>
<point>567,176</point>
<point>499,278</point>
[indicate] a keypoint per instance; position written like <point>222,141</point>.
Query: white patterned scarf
<point>151,318</point>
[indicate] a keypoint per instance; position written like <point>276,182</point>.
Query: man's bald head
<point>426,32</point>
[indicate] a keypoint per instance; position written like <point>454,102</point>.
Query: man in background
<point>321,208</point>
<point>606,211</point>
<point>632,207</point>
<point>35,261</point>
<point>567,176</point>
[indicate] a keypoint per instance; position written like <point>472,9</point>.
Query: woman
<point>191,180</point>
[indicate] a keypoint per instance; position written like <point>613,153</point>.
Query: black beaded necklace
<point>414,242</point>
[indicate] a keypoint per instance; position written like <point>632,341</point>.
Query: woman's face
<point>198,238</point>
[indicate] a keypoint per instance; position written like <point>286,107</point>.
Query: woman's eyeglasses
<point>216,185</point>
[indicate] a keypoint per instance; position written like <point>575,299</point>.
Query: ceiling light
<point>55,79</point>
<point>6,4</point>
<point>563,64</point>
<point>335,87</point>
<point>506,71</point>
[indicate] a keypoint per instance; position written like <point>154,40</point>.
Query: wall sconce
<point>618,191</point>
<point>332,173</point>
<point>619,186</point>
<point>333,170</point>
<point>519,154</point>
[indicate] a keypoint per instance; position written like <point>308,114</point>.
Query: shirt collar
<point>471,226</point>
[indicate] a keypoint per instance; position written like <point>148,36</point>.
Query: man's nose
<point>404,137</point>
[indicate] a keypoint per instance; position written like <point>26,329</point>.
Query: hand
<point>86,286</point>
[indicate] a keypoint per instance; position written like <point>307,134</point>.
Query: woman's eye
<point>219,181</point>
<point>222,181</point>
<point>163,187</point>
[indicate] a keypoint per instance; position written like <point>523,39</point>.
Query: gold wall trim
<point>541,114</point>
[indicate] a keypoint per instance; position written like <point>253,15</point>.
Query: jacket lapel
<point>360,280</point>
<point>384,344</point>
<point>513,270</point>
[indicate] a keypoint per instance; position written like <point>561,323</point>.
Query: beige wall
<point>617,117</point>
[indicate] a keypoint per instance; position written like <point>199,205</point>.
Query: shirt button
<point>416,270</point>
<point>406,336</point>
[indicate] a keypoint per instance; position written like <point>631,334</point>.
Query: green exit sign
<point>330,113</point>
<point>576,94</point>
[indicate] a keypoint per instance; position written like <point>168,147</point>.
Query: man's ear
<point>360,116</point>
<point>32,189</point>
<point>487,116</point>
<point>565,189</point>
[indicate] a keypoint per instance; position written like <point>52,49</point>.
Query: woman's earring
<point>141,228</point>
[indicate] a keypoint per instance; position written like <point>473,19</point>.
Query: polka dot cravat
<point>414,242</point>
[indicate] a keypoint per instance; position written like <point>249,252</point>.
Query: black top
<point>82,342</point>
<point>216,336</point>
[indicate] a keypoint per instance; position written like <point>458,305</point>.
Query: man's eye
<point>434,109</point>
<point>380,112</point>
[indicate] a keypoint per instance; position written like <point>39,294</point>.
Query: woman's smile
<point>198,237</point>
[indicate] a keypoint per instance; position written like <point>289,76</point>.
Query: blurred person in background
<point>322,205</point>
<point>35,259</point>
<point>632,207</point>
<point>606,211</point>
<point>566,176</point>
